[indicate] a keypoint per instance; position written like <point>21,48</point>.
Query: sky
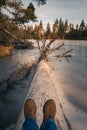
<point>73,10</point>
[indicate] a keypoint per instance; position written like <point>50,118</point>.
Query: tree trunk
<point>43,88</point>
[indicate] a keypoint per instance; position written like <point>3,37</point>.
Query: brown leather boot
<point>30,109</point>
<point>49,110</point>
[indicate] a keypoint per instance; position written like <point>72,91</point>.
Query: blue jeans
<point>30,124</point>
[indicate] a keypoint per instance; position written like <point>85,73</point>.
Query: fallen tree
<point>43,88</point>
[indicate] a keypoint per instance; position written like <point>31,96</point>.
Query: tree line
<point>13,17</point>
<point>59,30</point>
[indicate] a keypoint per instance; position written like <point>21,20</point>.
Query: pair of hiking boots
<point>49,109</point>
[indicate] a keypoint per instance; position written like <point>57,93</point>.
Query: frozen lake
<point>72,81</point>
<point>70,77</point>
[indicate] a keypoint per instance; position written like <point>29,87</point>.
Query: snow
<point>42,89</point>
<point>11,100</point>
<point>19,58</point>
<point>76,117</point>
<point>71,85</point>
<point>64,82</point>
<point>67,86</point>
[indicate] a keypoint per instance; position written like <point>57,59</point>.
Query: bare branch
<point>38,44</point>
<point>64,54</point>
<point>67,60</point>
<point>68,51</point>
<point>50,51</point>
<point>44,43</point>
<point>54,49</point>
<point>50,43</point>
<point>57,48</point>
<point>47,50</point>
<point>10,33</point>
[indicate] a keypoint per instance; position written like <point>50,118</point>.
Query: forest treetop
<point>17,14</point>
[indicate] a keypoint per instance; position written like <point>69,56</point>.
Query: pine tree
<point>18,15</point>
<point>35,32</point>
<point>77,27</point>
<point>30,32</point>
<point>40,30</point>
<point>48,31</point>
<point>61,29</point>
<point>71,27</point>
<point>66,26</point>
<point>55,29</point>
<point>28,14</point>
<point>82,25</point>
<point>72,31</point>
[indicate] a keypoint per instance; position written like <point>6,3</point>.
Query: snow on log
<point>43,88</point>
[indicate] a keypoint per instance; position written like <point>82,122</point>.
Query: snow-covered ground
<point>12,100</point>
<point>21,57</point>
<point>69,80</point>
<point>71,84</point>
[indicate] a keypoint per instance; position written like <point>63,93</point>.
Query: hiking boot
<point>30,109</point>
<point>49,110</point>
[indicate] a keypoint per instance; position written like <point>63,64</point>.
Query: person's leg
<point>30,124</point>
<point>30,116</point>
<point>49,112</point>
<point>48,125</point>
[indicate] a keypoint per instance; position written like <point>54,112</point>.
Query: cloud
<point>74,10</point>
<point>42,15</point>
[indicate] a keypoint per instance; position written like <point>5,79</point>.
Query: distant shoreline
<point>73,42</point>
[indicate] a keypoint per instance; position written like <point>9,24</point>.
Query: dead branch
<point>54,49</point>
<point>57,48</point>
<point>64,54</point>
<point>37,41</point>
<point>50,43</point>
<point>50,52</point>
<point>45,49</point>
<point>10,33</point>
<point>67,60</point>
<point>6,37</point>
<point>44,43</point>
<point>68,52</point>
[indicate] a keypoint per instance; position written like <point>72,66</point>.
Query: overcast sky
<point>73,10</point>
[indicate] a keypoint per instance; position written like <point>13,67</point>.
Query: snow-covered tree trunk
<point>43,88</point>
